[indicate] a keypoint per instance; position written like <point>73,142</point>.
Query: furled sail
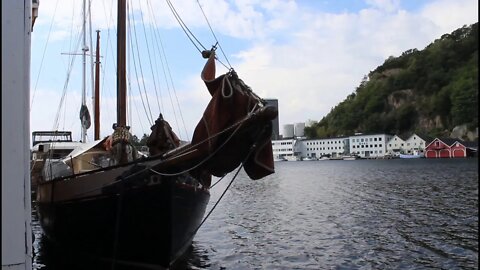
<point>85,117</point>
<point>231,106</point>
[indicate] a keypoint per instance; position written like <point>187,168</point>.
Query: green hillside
<point>429,91</point>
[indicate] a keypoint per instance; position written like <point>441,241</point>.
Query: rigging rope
<point>213,33</point>
<point>43,55</point>
<point>252,148</point>
<point>181,172</point>
<point>190,35</point>
<point>65,87</point>
<point>184,27</point>
<point>148,52</point>
<point>149,117</point>
<point>166,69</point>
<point>156,43</point>
<point>140,65</point>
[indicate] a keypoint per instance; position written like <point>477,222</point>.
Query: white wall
<point>374,144</point>
<point>16,201</point>
<point>319,147</point>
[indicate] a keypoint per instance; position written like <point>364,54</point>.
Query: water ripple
<point>364,214</point>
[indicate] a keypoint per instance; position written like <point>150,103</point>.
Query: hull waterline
<point>152,225</point>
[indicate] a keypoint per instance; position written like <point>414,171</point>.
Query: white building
<point>288,148</point>
<point>371,145</point>
<point>396,145</point>
<point>417,143</point>
<point>322,147</point>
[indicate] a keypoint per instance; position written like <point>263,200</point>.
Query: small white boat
<point>350,157</point>
<point>415,154</point>
<point>293,158</point>
<point>309,158</point>
<point>279,159</point>
<point>324,158</point>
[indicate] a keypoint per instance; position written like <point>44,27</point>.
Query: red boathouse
<point>458,150</point>
<point>446,148</point>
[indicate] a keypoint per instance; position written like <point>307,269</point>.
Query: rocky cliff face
<point>400,97</point>
<point>462,132</point>
<point>433,91</point>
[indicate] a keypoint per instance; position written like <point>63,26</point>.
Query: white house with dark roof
<point>416,143</point>
<point>396,145</point>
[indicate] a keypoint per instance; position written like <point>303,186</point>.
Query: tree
<point>144,139</point>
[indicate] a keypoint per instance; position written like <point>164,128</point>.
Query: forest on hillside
<point>427,91</point>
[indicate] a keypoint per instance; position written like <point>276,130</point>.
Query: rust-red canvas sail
<point>223,122</point>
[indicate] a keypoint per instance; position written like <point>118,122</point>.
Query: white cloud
<point>449,15</point>
<point>386,5</point>
<point>310,60</point>
<point>325,60</point>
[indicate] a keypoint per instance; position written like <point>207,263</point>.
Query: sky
<point>308,54</point>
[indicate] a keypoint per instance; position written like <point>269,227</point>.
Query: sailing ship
<point>105,200</point>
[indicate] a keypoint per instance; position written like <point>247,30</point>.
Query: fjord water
<point>362,214</point>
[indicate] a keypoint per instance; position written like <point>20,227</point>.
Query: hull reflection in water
<point>51,257</point>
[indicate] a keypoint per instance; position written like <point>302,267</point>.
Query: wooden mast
<point>121,69</point>
<point>97,89</point>
<point>84,71</point>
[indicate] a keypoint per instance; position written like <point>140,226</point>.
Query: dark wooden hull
<point>130,223</point>
<point>133,214</point>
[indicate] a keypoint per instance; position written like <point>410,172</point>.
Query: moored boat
<point>292,158</point>
<point>350,157</point>
<point>107,201</point>
<point>415,154</point>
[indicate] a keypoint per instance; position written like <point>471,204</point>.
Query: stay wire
<point>166,69</point>
<point>185,29</point>
<point>213,33</point>
<point>140,65</point>
<point>149,118</point>
<point>43,55</point>
<point>149,56</point>
<point>223,194</point>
